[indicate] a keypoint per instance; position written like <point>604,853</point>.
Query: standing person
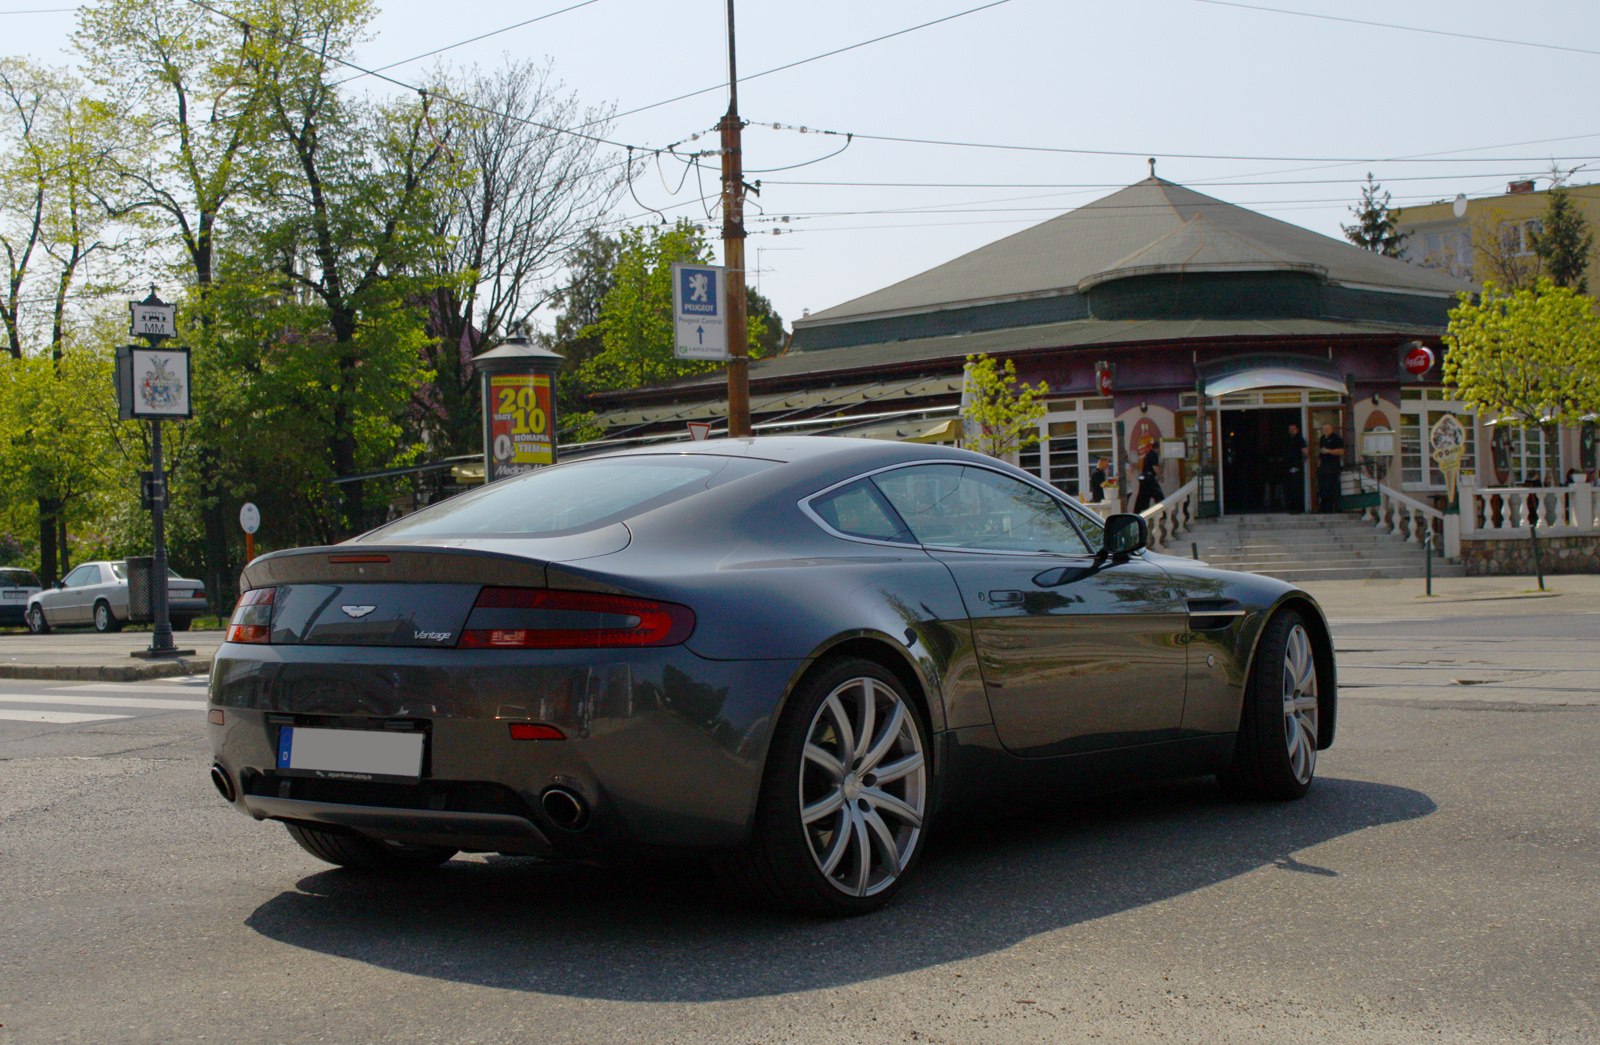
<point>1292,456</point>
<point>1097,480</point>
<point>1149,479</point>
<point>1330,458</point>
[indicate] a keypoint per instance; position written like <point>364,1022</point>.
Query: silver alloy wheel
<point>1300,704</point>
<point>863,786</point>
<point>102,617</point>
<point>36,619</point>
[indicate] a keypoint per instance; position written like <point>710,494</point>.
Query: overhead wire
<point>814,58</point>
<point>1401,28</point>
<point>463,43</point>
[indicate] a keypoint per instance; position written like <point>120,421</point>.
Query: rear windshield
<point>119,570</point>
<point>18,578</point>
<point>572,498</point>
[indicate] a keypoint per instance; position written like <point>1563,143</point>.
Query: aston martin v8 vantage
<point>793,654</point>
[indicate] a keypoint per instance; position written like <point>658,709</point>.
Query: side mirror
<point>61,584</point>
<point>1125,534</point>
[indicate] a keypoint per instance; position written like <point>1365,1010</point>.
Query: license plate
<point>350,753</point>
<point>14,596</point>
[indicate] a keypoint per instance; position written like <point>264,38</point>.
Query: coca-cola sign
<point>1418,361</point>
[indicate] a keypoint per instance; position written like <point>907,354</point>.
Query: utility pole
<point>733,253</point>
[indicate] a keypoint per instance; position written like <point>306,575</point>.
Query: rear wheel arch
<point>892,657</point>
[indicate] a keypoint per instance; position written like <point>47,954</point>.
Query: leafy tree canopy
<point>1530,356</point>
<point>1003,411</point>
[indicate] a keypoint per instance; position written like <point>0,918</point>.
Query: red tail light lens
<point>252,617</point>
<point>534,618</point>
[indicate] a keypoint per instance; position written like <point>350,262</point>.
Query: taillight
<point>252,617</point>
<point>535,618</point>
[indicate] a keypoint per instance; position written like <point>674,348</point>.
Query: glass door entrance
<point>1262,470</point>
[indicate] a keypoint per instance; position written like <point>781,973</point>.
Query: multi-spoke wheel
<point>104,619</point>
<point>1275,755</point>
<point>846,798</point>
<point>863,786</point>
<point>36,620</point>
<point>1300,704</point>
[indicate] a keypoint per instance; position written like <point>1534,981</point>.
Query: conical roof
<point>1152,226</point>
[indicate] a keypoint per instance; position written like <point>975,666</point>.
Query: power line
<point>43,11</point>
<point>419,90</point>
<point>473,40</point>
<point>1205,156</point>
<point>1402,28</point>
<point>1110,185</point>
<point>813,58</point>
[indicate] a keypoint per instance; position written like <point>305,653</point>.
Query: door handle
<point>1008,597</point>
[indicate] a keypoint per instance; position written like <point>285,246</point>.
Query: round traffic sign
<point>1419,361</point>
<point>250,517</point>
<point>1103,379</point>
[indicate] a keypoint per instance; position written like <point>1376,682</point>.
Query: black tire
<point>104,620</point>
<point>1275,755</point>
<point>855,855</point>
<point>181,623</point>
<point>360,853</point>
<point>34,618</point>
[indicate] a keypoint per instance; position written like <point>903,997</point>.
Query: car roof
<point>791,448</point>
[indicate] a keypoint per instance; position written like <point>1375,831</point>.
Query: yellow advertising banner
<point>520,435</point>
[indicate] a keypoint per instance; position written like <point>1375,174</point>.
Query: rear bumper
<point>664,747</point>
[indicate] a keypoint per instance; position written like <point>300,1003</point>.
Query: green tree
<point>176,77</point>
<point>1002,413</point>
<point>1374,229</point>
<point>590,275</point>
<point>526,195</point>
<point>1564,241</point>
<point>1530,357</point>
<point>52,228</point>
<point>762,317</point>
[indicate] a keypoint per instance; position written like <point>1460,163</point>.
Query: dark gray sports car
<point>794,652</point>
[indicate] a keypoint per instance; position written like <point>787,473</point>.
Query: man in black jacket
<point>1330,458</point>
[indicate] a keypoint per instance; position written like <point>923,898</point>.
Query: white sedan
<point>96,593</point>
<point>17,586</point>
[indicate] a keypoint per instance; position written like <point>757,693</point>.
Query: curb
<point>108,672</point>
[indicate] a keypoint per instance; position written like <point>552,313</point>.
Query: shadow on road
<point>663,932</point>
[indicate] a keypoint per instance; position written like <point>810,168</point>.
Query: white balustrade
<point>1512,511</point>
<point>1407,517</point>
<point>1175,514</point>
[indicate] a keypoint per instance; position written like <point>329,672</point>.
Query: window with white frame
<point>1524,457</point>
<point>1072,437</point>
<point>1420,410</point>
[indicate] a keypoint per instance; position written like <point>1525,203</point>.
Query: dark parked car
<point>17,586</point>
<point>792,653</point>
<point>96,595</point>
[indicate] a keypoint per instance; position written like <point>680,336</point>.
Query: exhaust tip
<point>224,786</point>
<point>566,809</point>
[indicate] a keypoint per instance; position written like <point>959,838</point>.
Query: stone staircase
<point>1306,548</point>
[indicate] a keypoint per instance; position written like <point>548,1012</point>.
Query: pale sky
<point>1303,107</point>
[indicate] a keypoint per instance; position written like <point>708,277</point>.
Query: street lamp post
<point>153,385</point>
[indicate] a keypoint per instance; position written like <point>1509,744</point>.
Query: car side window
<point>1094,530</point>
<point>83,575</point>
<point>859,510</point>
<point>959,506</point>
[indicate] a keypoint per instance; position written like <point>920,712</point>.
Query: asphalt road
<point>1439,884</point>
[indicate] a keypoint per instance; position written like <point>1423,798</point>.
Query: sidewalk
<point>1455,596</point>
<point>91,657</point>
